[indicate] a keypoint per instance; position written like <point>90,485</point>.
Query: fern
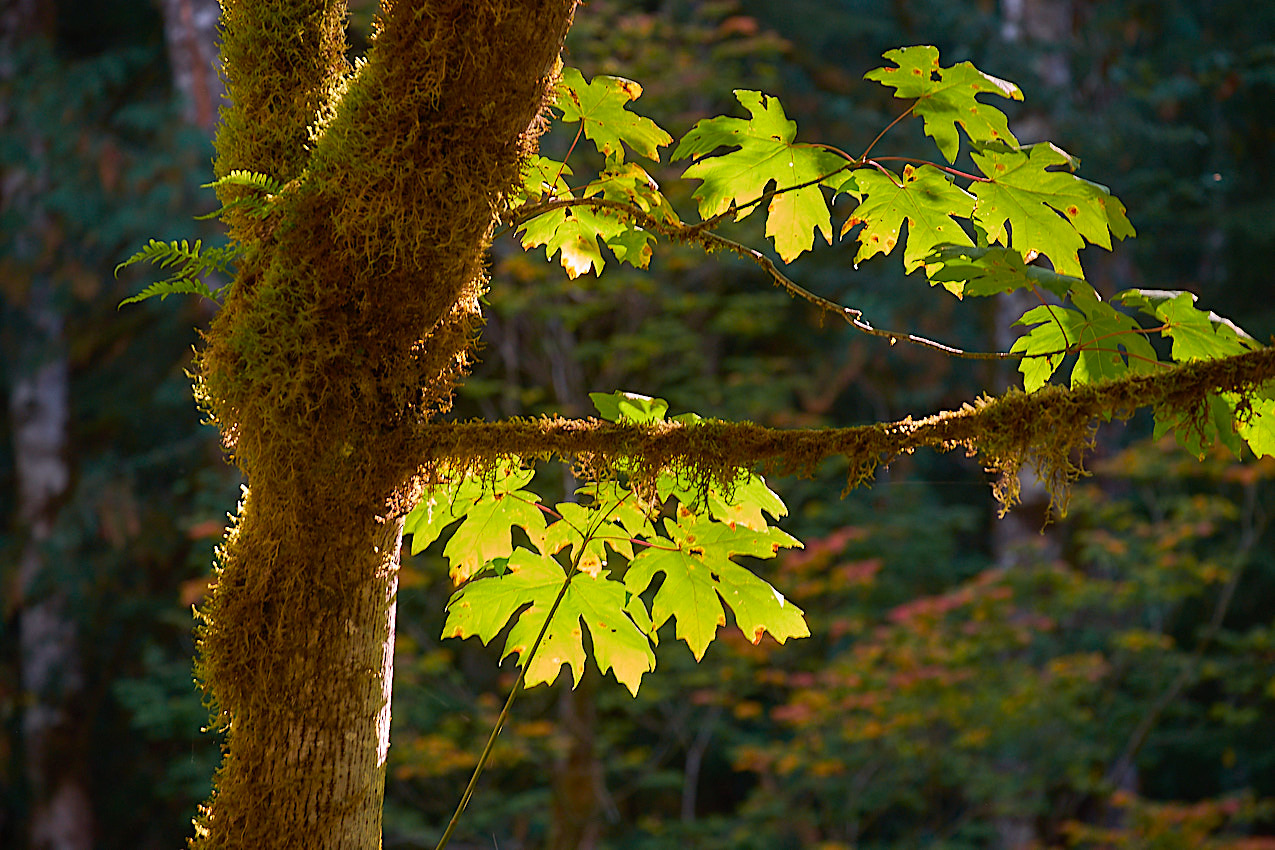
<point>191,262</point>
<point>257,206</point>
<point>263,183</point>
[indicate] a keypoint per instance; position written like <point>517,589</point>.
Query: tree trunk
<point>348,326</point>
<point>54,734</point>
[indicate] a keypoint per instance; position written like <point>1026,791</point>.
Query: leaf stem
<point>955,172</point>
<point>888,128</point>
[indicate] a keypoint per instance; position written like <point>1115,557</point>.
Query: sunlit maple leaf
<point>1196,334</point>
<point>946,97</point>
<point>600,106</point>
<point>699,575</point>
<point>574,234</point>
<point>444,504</point>
<point>586,532</point>
<point>766,155</point>
<point>1034,210</point>
<point>1109,343</point>
<point>483,607</point>
<point>924,197</point>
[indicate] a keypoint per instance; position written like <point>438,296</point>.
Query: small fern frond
<point>191,264</point>
<point>174,286</point>
<point>255,205</point>
<point>248,180</point>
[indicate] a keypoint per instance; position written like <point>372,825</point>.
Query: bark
<point>348,326</point>
<point>54,734</point>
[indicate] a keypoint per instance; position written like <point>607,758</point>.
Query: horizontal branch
<point>1050,429</point>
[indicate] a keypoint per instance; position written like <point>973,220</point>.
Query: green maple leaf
<point>1109,343</point>
<point>766,154</point>
<point>1196,334</point>
<point>946,98</point>
<point>486,532</point>
<point>1258,429</point>
<point>620,505</point>
<point>599,105</point>
<point>483,607</point>
<point>1034,210</point>
<point>442,505</point>
<point>542,177</point>
<point>991,271</point>
<point>586,531</point>
<point>1213,423</point>
<point>746,503</point>
<point>574,233</point>
<point>629,407</point>
<point>925,198</point>
<point>699,576</point>
<point>630,183</point>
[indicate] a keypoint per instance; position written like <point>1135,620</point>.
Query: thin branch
<point>699,234</point>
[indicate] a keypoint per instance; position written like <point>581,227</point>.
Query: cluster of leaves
<point>567,571</point>
<point>1025,206</point>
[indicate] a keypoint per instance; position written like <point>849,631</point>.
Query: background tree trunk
<point>55,739</point>
<point>190,32</point>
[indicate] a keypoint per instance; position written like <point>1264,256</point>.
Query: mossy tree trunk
<point>348,327</point>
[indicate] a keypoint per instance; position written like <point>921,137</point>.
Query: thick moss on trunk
<point>347,327</point>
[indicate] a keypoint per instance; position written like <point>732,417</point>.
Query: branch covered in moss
<point>1050,429</point>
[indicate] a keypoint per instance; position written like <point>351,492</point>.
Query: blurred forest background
<point>971,682</point>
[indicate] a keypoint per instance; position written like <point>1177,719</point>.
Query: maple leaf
<point>991,271</point>
<point>1196,334</point>
<point>1033,210</point>
<point>1196,431</point>
<point>630,183</point>
<point>766,154</point>
<point>442,505</point>
<point>542,177</point>
<point>1258,428</point>
<point>629,407</point>
<point>484,606</point>
<point>574,232</point>
<point>486,532</point>
<point>620,505</point>
<point>946,98</point>
<point>585,531</point>
<point>1109,343</point>
<point>599,106</point>
<point>699,575</point>
<point>925,198</point>
<point>746,502</point>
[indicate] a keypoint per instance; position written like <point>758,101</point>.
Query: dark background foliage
<point>964,687</point>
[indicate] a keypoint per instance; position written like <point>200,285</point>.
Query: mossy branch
<point>1049,429</point>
